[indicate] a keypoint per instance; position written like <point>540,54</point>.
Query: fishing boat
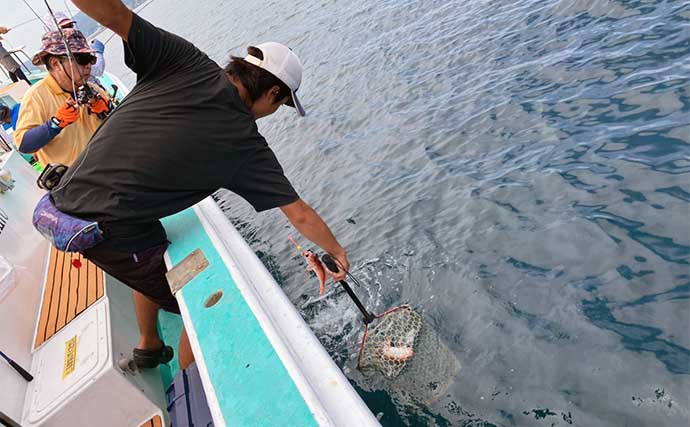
<point>72,327</point>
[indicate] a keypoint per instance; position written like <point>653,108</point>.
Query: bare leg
<point>147,318</point>
<point>185,355</point>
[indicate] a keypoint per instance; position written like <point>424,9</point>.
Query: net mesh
<point>389,345</point>
<point>431,371</point>
<point>411,356</point>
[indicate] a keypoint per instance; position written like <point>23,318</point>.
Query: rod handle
<point>333,267</point>
<point>330,263</point>
<point>27,376</point>
<point>21,371</point>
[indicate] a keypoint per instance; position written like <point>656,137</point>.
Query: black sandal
<point>149,359</point>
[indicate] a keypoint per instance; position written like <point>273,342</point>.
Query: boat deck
<point>68,292</point>
<point>153,422</point>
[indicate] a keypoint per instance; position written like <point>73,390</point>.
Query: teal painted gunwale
<point>252,385</point>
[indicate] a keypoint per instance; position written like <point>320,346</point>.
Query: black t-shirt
<point>182,133</point>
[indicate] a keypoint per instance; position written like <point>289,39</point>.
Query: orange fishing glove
<point>67,114</point>
<point>99,106</point>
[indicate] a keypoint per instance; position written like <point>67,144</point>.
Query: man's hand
<point>4,30</point>
<point>99,106</point>
<point>343,267</point>
<point>98,45</point>
<point>67,114</point>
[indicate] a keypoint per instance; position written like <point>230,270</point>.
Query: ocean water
<point>518,171</point>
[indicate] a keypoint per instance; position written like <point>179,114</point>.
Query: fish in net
<point>389,344</point>
<point>404,348</point>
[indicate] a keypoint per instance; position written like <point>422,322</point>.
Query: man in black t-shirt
<point>186,129</point>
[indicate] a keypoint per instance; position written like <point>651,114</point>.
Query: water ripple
<point>520,170</point>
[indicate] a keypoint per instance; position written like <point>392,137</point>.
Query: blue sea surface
<point>519,171</point>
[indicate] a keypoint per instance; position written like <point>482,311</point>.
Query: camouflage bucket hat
<point>52,44</point>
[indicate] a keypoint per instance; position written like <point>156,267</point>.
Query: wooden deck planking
<point>91,290</point>
<point>100,284</point>
<point>47,295</point>
<point>68,291</point>
<point>73,291</point>
<point>63,295</point>
<point>54,301</point>
<point>83,283</point>
<point>156,421</point>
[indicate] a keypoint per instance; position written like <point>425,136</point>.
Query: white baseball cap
<point>283,63</point>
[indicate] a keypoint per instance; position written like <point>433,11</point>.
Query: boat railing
<point>16,54</point>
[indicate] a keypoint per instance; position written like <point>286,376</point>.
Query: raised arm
<point>112,14</point>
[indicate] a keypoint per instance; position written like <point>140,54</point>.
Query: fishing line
<point>37,15</point>
<point>68,10</point>
<point>70,56</point>
<point>136,11</point>
<point>23,23</point>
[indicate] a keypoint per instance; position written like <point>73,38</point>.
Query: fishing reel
<point>93,100</point>
<point>51,176</point>
<point>84,94</point>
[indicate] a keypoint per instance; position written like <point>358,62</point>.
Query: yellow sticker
<point>70,356</point>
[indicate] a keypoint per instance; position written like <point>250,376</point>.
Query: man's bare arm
<point>310,225</point>
<point>112,14</point>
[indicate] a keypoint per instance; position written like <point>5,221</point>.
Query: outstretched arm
<point>112,14</point>
<point>310,225</point>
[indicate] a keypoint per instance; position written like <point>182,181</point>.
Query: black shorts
<point>143,271</point>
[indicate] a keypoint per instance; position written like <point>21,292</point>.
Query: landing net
<point>389,345</point>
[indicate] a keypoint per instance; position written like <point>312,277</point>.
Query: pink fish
<point>314,264</point>
<point>398,354</point>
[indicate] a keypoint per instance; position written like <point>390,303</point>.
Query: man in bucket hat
<point>51,123</point>
<point>62,19</point>
<point>187,128</point>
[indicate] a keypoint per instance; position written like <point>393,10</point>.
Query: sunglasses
<point>82,59</point>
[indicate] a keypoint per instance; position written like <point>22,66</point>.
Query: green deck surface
<point>169,328</point>
<point>252,385</point>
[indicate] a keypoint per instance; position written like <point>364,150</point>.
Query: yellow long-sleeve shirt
<point>39,104</point>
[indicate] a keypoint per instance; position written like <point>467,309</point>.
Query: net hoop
<point>392,343</point>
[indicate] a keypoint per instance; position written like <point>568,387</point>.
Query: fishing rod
<point>23,23</point>
<point>70,55</point>
<point>45,26</point>
<point>21,371</point>
<point>85,95</point>
<point>5,420</point>
<point>69,10</point>
<point>139,9</point>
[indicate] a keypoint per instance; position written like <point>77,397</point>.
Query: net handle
<point>333,267</point>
